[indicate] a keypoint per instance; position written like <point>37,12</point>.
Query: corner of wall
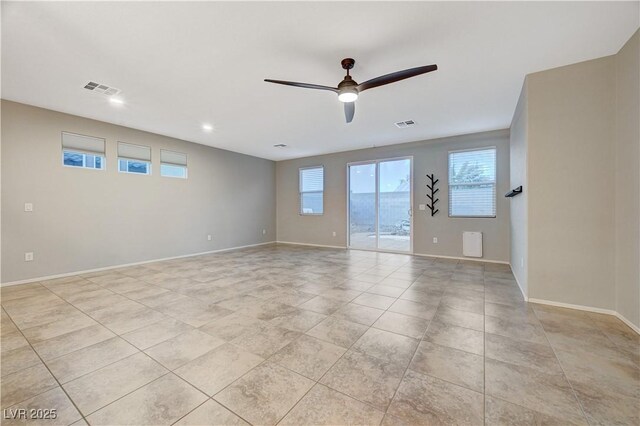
<point>518,223</point>
<point>627,181</point>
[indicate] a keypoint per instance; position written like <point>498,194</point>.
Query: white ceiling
<point>183,64</point>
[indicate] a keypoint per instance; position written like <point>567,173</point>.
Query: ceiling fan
<point>348,89</point>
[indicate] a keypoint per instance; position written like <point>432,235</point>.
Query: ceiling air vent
<point>405,124</point>
<point>102,88</point>
<point>280,145</point>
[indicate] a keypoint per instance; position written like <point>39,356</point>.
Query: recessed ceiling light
<point>207,127</point>
<point>279,145</point>
<point>116,101</point>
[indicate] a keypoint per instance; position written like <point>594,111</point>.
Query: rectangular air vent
<point>102,88</point>
<point>405,124</point>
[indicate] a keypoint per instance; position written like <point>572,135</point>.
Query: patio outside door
<point>379,205</point>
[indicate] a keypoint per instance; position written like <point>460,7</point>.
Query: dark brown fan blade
<point>304,85</point>
<point>395,76</point>
<point>349,110</point>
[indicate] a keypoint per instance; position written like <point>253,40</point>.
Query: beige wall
<point>85,219</point>
<point>429,157</point>
<point>518,167</point>
<point>627,180</point>
<point>579,126</point>
<point>570,181</point>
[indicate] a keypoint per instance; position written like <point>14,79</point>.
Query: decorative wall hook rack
<point>514,192</point>
<point>432,196</point>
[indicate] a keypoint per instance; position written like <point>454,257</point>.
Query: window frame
<point>183,166</point>
<point>186,171</point>
<point>300,192</point>
<point>495,184</point>
<point>84,160</point>
<point>149,164</point>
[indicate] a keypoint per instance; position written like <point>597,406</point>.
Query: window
<point>472,183</point>
<point>173,164</point>
<point>134,159</point>
<point>82,151</point>
<point>312,190</point>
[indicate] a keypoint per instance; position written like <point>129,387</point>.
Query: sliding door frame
<point>377,177</point>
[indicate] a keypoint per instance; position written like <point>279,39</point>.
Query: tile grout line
<point>315,381</point>
<point>107,365</point>
<point>573,392</point>
<point>418,347</point>
<point>332,365</point>
<point>98,369</point>
<point>616,345</point>
<point>318,381</point>
<point>50,372</point>
<point>262,363</point>
<point>194,409</point>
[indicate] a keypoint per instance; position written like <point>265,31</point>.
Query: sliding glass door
<point>380,205</point>
<point>362,206</point>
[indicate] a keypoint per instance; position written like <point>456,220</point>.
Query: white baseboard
<point>310,245</point>
<point>626,321</point>
<point>588,309</point>
<point>124,265</point>
<point>480,259</point>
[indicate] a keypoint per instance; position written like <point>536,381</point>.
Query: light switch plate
<point>28,257</point>
<point>28,207</point>
<point>422,207</point>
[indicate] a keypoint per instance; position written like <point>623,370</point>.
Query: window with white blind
<point>85,152</point>
<point>173,164</point>
<point>135,159</point>
<point>312,190</point>
<point>472,183</point>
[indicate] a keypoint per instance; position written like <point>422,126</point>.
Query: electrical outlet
<point>334,233</point>
<point>28,207</point>
<point>264,232</point>
<point>435,240</point>
<point>28,257</point>
<point>209,237</point>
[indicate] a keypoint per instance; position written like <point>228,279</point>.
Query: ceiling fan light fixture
<point>347,95</point>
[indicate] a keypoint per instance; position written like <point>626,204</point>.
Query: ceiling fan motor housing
<point>347,83</point>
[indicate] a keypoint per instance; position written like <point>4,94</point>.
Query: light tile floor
<point>293,335</point>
